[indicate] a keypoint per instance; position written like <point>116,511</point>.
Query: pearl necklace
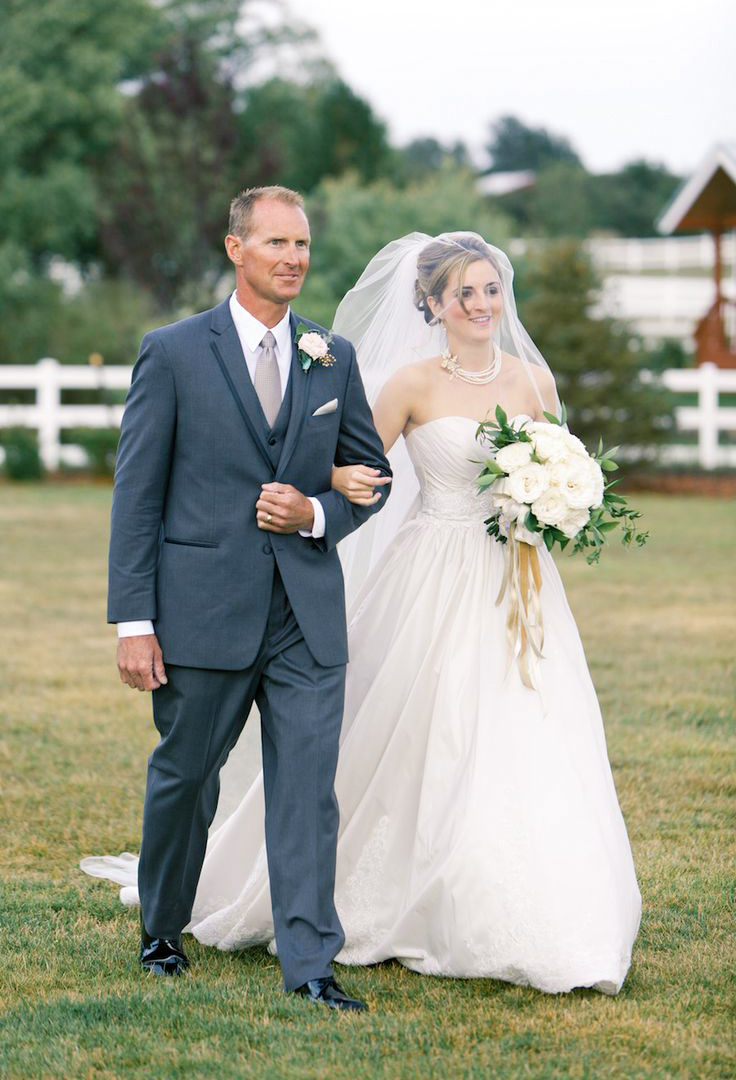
<point>475,378</point>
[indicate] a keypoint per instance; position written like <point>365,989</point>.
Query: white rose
<point>557,472</point>
<point>519,421</point>
<point>549,441</point>
<point>314,345</point>
<point>527,484</point>
<point>574,522</point>
<point>598,480</point>
<point>574,445</point>
<point>579,484</point>
<point>514,456</point>
<point>551,507</point>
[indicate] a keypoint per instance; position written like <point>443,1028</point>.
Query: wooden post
<point>717,234</point>
<point>708,417</point>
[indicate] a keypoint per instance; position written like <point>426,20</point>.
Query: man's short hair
<point>241,208</point>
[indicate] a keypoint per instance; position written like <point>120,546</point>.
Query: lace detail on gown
<point>360,900</point>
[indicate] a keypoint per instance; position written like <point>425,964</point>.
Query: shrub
<point>22,459</point>
<point>100,446</point>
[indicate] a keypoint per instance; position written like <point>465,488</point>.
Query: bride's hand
<point>357,483</point>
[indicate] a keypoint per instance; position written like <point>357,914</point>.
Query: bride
<point>480,831</point>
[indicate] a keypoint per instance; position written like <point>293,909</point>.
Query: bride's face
<point>475,319</point>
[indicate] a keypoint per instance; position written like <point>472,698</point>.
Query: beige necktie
<point>267,381</point>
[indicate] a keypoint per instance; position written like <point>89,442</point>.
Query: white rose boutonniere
<point>312,347</point>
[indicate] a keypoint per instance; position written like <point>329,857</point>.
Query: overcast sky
<point>620,78</point>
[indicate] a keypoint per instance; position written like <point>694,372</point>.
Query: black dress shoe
<point>162,956</point>
<point>327,992</point>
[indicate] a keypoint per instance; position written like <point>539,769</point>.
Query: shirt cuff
<point>134,629</point>
<point>318,525</point>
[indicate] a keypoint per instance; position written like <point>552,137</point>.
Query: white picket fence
<point>48,416</point>
<point>708,418</point>
<point>650,254</point>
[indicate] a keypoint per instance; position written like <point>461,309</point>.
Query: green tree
<point>561,202</point>
<point>165,189</point>
<point>597,362</point>
<point>177,161</point>
<point>566,200</point>
<point>630,201</point>
<point>297,134</point>
<point>514,145</point>
<point>427,154</point>
<point>60,65</point>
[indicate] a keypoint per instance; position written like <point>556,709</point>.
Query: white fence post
<point>48,402</point>
<point>708,427</point>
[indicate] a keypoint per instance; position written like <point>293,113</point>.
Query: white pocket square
<point>328,407</point>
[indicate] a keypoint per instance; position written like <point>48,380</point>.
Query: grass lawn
<point>658,626</point>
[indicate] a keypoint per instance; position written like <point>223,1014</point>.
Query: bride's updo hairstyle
<point>437,261</point>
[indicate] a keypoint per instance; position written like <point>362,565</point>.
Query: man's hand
<point>283,509</point>
<point>141,662</point>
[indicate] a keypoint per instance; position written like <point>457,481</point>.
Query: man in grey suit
<point>227,589</point>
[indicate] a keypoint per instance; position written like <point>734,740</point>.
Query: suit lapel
<point>299,387</point>
<point>225,345</point>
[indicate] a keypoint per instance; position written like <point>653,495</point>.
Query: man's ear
<point>234,249</point>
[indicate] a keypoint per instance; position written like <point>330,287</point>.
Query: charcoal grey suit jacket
<point>185,550</point>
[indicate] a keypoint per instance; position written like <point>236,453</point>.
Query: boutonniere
<point>312,347</point>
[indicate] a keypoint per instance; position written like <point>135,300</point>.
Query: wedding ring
<point>269,519</point>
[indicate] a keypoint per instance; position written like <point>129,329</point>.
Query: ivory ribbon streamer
<point>522,580</point>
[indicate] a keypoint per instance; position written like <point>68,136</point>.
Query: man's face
<point>274,257</point>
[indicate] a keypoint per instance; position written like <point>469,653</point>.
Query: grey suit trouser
<point>199,714</point>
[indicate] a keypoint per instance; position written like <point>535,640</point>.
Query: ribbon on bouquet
<point>522,580</point>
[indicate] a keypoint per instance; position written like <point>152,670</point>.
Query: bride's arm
<point>391,414</point>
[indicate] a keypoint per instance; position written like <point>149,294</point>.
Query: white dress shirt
<point>251,333</point>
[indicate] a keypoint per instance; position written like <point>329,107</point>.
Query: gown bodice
<point>447,460</point>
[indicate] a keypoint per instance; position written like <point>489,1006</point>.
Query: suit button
<point>267,549</point>
<point>272,441</point>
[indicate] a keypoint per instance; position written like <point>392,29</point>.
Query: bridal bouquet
<point>546,488</point>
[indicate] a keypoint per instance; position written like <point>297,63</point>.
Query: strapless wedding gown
<point>480,831</point>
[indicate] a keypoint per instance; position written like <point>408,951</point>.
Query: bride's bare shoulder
<point>541,375</point>
<point>541,378</point>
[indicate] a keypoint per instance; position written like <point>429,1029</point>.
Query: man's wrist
<point>316,529</point>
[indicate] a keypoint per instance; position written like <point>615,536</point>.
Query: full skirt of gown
<point>481,834</point>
